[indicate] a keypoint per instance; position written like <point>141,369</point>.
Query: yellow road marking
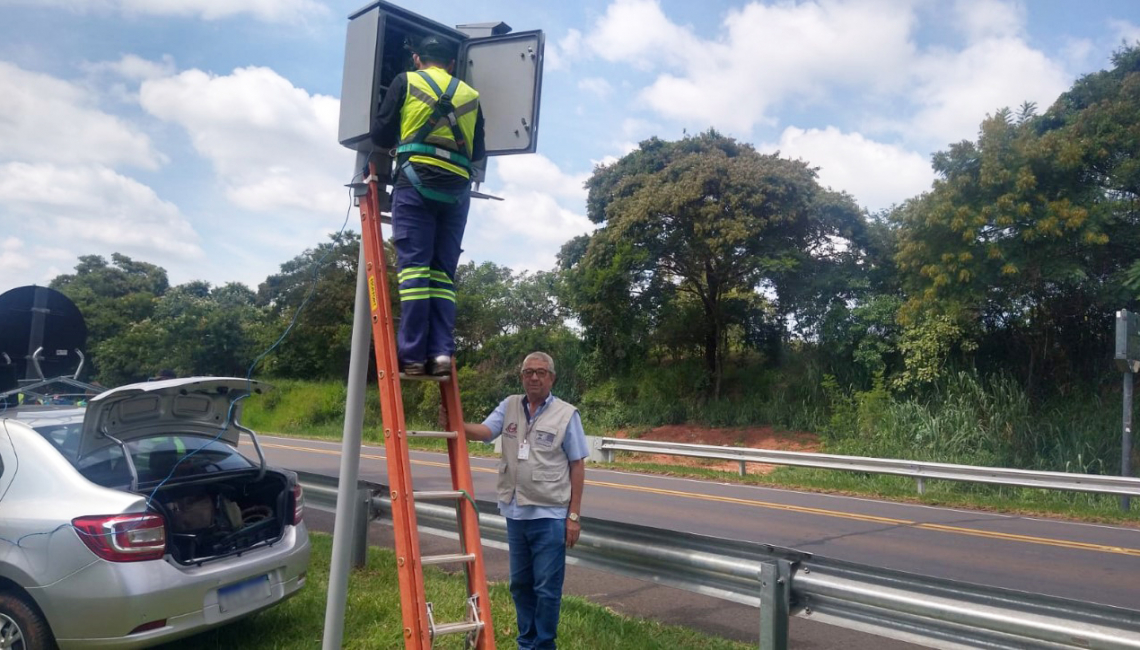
<point>957,530</point>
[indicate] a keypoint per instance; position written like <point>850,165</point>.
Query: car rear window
<point>159,458</point>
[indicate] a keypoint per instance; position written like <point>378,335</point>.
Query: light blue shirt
<point>574,445</point>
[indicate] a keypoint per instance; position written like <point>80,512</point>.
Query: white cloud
<point>558,56</point>
<point>878,175</point>
<point>984,19</point>
<point>77,210</point>
<point>14,260</point>
<point>638,32</point>
<point>273,145</point>
<point>597,86</point>
<point>134,67</point>
<point>543,208</point>
<point>1125,31</point>
<point>769,55</point>
<point>45,119</point>
<point>267,10</point>
<point>956,90</point>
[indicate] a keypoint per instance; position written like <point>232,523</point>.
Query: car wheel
<point>21,626</point>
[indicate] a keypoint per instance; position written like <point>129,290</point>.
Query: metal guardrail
<point>932,612</point>
<point>919,470</point>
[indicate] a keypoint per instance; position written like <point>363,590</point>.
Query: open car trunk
<point>223,516</point>
<point>175,442</point>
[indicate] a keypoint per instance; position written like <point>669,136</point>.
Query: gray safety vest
<point>544,478</point>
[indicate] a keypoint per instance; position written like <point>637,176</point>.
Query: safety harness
<point>442,109</point>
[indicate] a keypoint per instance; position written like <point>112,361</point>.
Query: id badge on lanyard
<point>524,446</point>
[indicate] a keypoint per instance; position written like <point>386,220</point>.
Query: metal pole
<point>775,604</point>
<point>1126,438</point>
<point>346,507</point>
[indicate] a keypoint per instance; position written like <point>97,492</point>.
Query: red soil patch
<point>755,437</point>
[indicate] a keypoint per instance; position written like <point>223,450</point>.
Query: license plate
<point>237,596</point>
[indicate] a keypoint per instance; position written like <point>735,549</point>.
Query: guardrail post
<point>921,484</point>
<point>743,468</point>
<point>775,604</point>
<point>360,523</point>
<point>608,455</point>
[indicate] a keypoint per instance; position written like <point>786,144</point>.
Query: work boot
<point>414,369</point>
<point>439,366</point>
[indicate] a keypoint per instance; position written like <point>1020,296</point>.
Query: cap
<point>433,47</point>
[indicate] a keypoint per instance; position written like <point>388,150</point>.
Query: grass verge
<point>373,616</point>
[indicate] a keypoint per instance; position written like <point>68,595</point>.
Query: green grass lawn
<point>373,618</point>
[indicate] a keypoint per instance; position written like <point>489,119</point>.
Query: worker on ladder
<point>432,123</point>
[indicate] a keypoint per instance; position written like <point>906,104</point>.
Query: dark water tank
<point>34,317</point>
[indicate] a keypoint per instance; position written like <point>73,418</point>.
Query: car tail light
<point>298,504</point>
<point>147,627</point>
<point>123,538</point>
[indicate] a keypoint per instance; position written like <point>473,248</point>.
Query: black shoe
<point>439,366</point>
<point>414,369</point>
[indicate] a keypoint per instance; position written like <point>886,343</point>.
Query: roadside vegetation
<point>373,619</point>
<point>726,287</point>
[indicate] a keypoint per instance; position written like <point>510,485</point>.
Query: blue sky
<point>200,135</point>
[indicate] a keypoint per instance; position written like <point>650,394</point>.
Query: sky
<point>201,135</point>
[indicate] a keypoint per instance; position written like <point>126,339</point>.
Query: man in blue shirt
<point>541,475</point>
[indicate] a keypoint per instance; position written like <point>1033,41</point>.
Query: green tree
<point>194,330</point>
<point>318,345</point>
<point>705,216</point>
<point>1023,245</point>
<point>112,297</point>
<point>483,309</point>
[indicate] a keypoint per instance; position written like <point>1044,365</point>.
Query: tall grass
<point>971,420</point>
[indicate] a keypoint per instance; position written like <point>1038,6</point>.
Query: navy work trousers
<point>538,566</point>
<point>428,235</point>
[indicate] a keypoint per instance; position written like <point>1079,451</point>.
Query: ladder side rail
<point>468,515</point>
<point>413,600</point>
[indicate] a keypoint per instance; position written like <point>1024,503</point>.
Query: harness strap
<point>442,110</point>
<point>427,192</point>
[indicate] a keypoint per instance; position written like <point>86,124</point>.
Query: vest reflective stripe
<point>440,276</point>
<point>418,108</point>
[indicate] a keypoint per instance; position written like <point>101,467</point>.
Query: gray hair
<point>539,355</point>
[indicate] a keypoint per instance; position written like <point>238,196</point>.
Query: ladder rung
<point>456,628</point>
<point>435,378</point>
<point>447,559</point>
<point>433,434</point>
<point>436,495</point>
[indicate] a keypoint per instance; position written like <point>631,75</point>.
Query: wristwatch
<point>573,516</point>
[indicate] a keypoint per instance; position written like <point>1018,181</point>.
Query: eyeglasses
<point>541,373</point>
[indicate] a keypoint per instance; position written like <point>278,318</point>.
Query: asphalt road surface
<point>1087,562</point>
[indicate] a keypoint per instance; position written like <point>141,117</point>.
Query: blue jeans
<point>428,235</point>
<point>538,565</point>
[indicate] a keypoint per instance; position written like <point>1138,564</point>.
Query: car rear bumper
<point>99,606</point>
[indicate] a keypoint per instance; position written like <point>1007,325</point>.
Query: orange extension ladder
<point>420,628</point>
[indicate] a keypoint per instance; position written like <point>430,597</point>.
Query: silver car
<point>135,521</point>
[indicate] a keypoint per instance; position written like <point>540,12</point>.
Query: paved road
<point>1086,562</point>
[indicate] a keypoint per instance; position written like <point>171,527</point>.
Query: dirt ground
<point>755,437</point>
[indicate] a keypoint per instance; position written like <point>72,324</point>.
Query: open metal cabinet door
<point>507,72</point>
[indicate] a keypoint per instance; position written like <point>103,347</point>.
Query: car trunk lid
<point>207,407</point>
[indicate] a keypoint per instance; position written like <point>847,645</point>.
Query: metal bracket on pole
<point>775,603</point>
<point>361,521</point>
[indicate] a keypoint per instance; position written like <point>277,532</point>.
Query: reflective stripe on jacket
<point>417,108</point>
